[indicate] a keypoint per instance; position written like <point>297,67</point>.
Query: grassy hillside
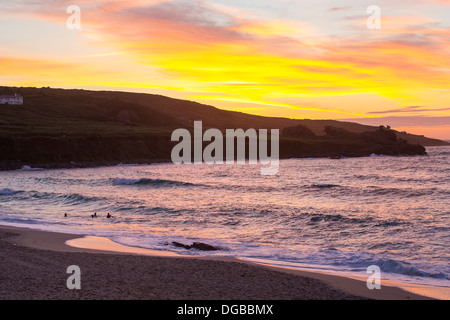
<point>56,111</point>
<point>183,110</point>
<point>66,126</point>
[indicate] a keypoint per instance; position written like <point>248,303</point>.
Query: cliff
<point>72,128</point>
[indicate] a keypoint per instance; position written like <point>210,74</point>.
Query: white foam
<point>28,168</point>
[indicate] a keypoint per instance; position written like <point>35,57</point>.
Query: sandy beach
<point>34,266</point>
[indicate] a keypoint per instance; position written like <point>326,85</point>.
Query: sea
<point>333,215</point>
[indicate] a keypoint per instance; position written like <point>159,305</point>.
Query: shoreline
<point>19,165</point>
<point>332,286</point>
<point>15,165</point>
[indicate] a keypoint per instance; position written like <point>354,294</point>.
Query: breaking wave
<point>8,192</point>
<point>28,168</point>
<point>150,182</point>
<point>325,186</point>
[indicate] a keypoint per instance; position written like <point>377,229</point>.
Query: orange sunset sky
<point>314,59</point>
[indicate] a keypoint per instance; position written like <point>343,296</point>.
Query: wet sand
<point>33,265</point>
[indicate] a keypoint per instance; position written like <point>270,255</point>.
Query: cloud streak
<point>411,109</point>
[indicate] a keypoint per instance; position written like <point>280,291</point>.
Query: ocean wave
<point>335,218</point>
<point>406,268</point>
<point>391,223</point>
<point>8,192</point>
<point>355,262</point>
<point>403,192</point>
<point>76,198</point>
<point>149,182</point>
<point>65,198</point>
<point>326,217</point>
<point>325,186</point>
<point>380,155</point>
<point>359,261</point>
<point>376,190</point>
<point>144,210</point>
<point>318,217</point>
<point>28,168</point>
<point>20,220</point>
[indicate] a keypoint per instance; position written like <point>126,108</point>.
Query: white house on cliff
<point>13,99</point>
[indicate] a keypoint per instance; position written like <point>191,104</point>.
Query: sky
<point>303,59</point>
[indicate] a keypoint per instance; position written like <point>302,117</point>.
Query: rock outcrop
<point>196,245</point>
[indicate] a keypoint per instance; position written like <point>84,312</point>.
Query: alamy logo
<point>374,20</point>
<point>213,153</point>
<point>74,20</point>
<point>374,280</point>
<point>74,281</point>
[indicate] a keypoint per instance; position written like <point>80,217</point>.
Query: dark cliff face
<point>93,150</point>
<point>320,149</point>
<point>339,142</point>
<point>85,151</point>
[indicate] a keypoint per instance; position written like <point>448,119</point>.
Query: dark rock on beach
<point>204,247</point>
<point>196,245</point>
<point>181,245</point>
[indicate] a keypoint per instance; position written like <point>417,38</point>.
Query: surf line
<point>213,153</point>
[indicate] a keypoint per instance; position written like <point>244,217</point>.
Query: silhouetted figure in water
<point>108,215</point>
<point>65,215</point>
<point>94,215</point>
